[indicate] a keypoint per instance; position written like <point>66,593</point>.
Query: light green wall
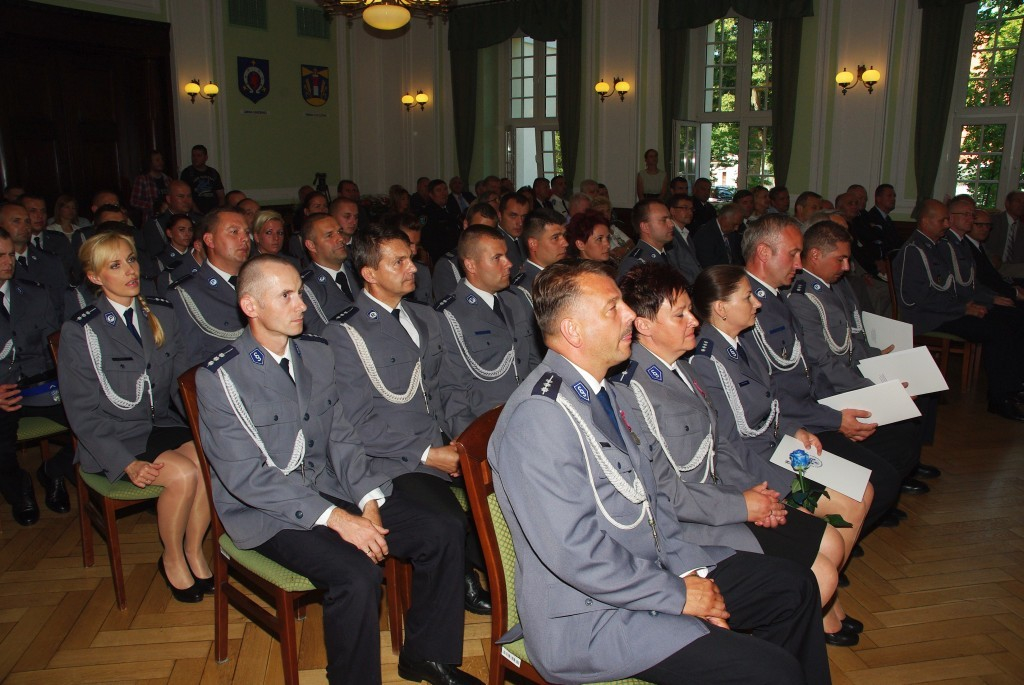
<point>800,158</point>
<point>285,147</point>
<point>159,15</point>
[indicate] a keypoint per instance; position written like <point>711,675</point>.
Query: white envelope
<point>887,402</point>
<point>883,331</point>
<point>830,469</point>
<point>914,367</point>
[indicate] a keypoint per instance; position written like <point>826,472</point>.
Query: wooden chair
<point>99,502</point>
<point>942,345</point>
<point>499,553</point>
<point>287,591</point>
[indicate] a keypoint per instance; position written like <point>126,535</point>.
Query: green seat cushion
<point>268,570</point>
<point>120,489</point>
<point>460,495</point>
<point>36,427</point>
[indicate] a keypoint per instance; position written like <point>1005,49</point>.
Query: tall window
<point>534,145</point>
<point>730,138</point>
<point>988,105</point>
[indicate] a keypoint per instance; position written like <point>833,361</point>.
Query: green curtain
<point>674,46</point>
<point>472,27</point>
<point>941,22</point>
<point>677,17</point>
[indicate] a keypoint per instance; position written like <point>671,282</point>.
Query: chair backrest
<point>53,340</point>
<point>187,386</point>
<point>495,538</point>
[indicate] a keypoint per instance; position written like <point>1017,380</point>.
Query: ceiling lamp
<point>388,15</point>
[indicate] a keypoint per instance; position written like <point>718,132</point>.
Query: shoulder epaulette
<point>635,254</point>
<point>313,338</point>
<point>306,275</point>
<point>84,315</point>
<point>175,284</point>
<point>548,385</point>
<point>450,255</point>
<point>443,304</point>
<point>799,288</point>
<point>519,278</point>
<point>345,314</point>
<point>218,360</point>
<point>627,374</point>
<point>704,347</point>
<point>160,301</point>
<point>71,288</point>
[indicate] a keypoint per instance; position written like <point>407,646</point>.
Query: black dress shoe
<point>843,638</point>
<point>926,471</point>
<point>1008,409</point>
<point>190,595</point>
<point>56,493</point>
<point>478,600</point>
<point>911,486</point>
<point>889,520</point>
<point>843,580</point>
<point>898,513</point>
<point>858,551</point>
<point>23,503</point>
<point>852,625</point>
<point>434,672</point>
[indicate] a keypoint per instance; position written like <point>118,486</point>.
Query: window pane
<point>721,58</point>
<point>997,32</point>
<point>528,108</point>
<point>528,46</point>
<point>725,148</point>
<point>687,153</point>
<point>980,162</point>
<point>550,107</point>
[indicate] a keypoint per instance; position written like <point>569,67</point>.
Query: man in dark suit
<point>703,210</point>
<point>987,274</point>
<point>717,242</point>
<point>511,214</point>
<point>681,252</point>
<point>321,511</point>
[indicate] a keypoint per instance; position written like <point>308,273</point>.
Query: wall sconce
<point>869,77</point>
<point>420,99</point>
<point>620,86</point>
<point>207,92</point>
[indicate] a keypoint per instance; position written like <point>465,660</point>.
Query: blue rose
<point>799,459</point>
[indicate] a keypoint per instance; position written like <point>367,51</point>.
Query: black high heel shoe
<point>204,585</point>
<point>190,595</point>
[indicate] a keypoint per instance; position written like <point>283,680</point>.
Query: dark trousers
<point>351,583</point>
<point>435,494</point>
<point>778,602</point>
<point>1000,333</point>
<point>12,477</point>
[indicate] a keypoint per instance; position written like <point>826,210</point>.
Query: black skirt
<point>162,439</point>
<point>798,540</point>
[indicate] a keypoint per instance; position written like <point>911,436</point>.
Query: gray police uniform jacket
<point>446,275</point>
<point>259,494</point>
<point>682,254</point>
<point>709,511</point>
<point>479,338</point>
<point>44,268</point>
<point>754,392</point>
<point>396,434</point>
<point>965,271</point>
<point>208,315</point>
<point>424,292</point>
<point>643,253</point>
<point>599,598</point>
<point>188,265</point>
<point>927,293</point>
<point>792,382</point>
<point>323,296</point>
<point>827,335</point>
<point>515,250</point>
<point>111,407</point>
<point>24,350</point>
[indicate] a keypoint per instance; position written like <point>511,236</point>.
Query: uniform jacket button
<point>405,458</point>
<point>589,602</point>
<point>298,514</point>
<point>309,444</point>
<point>305,417</point>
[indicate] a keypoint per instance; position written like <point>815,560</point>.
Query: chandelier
<point>388,15</point>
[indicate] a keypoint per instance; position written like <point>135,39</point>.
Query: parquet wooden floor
<point>941,596</point>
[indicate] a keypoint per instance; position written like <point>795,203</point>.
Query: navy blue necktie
<point>606,404</point>
<point>497,309</point>
<point>742,353</point>
<point>129,314</point>
<point>342,280</point>
<point>287,368</point>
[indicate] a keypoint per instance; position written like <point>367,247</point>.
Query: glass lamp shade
<point>192,88</point>
<point>210,89</point>
<point>408,99</point>
<point>871,76</point>
<point>844,78</point>
<point>422,98</point>
<point>602,87</point>
<point>622,87</point>
<point>386,17</point>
